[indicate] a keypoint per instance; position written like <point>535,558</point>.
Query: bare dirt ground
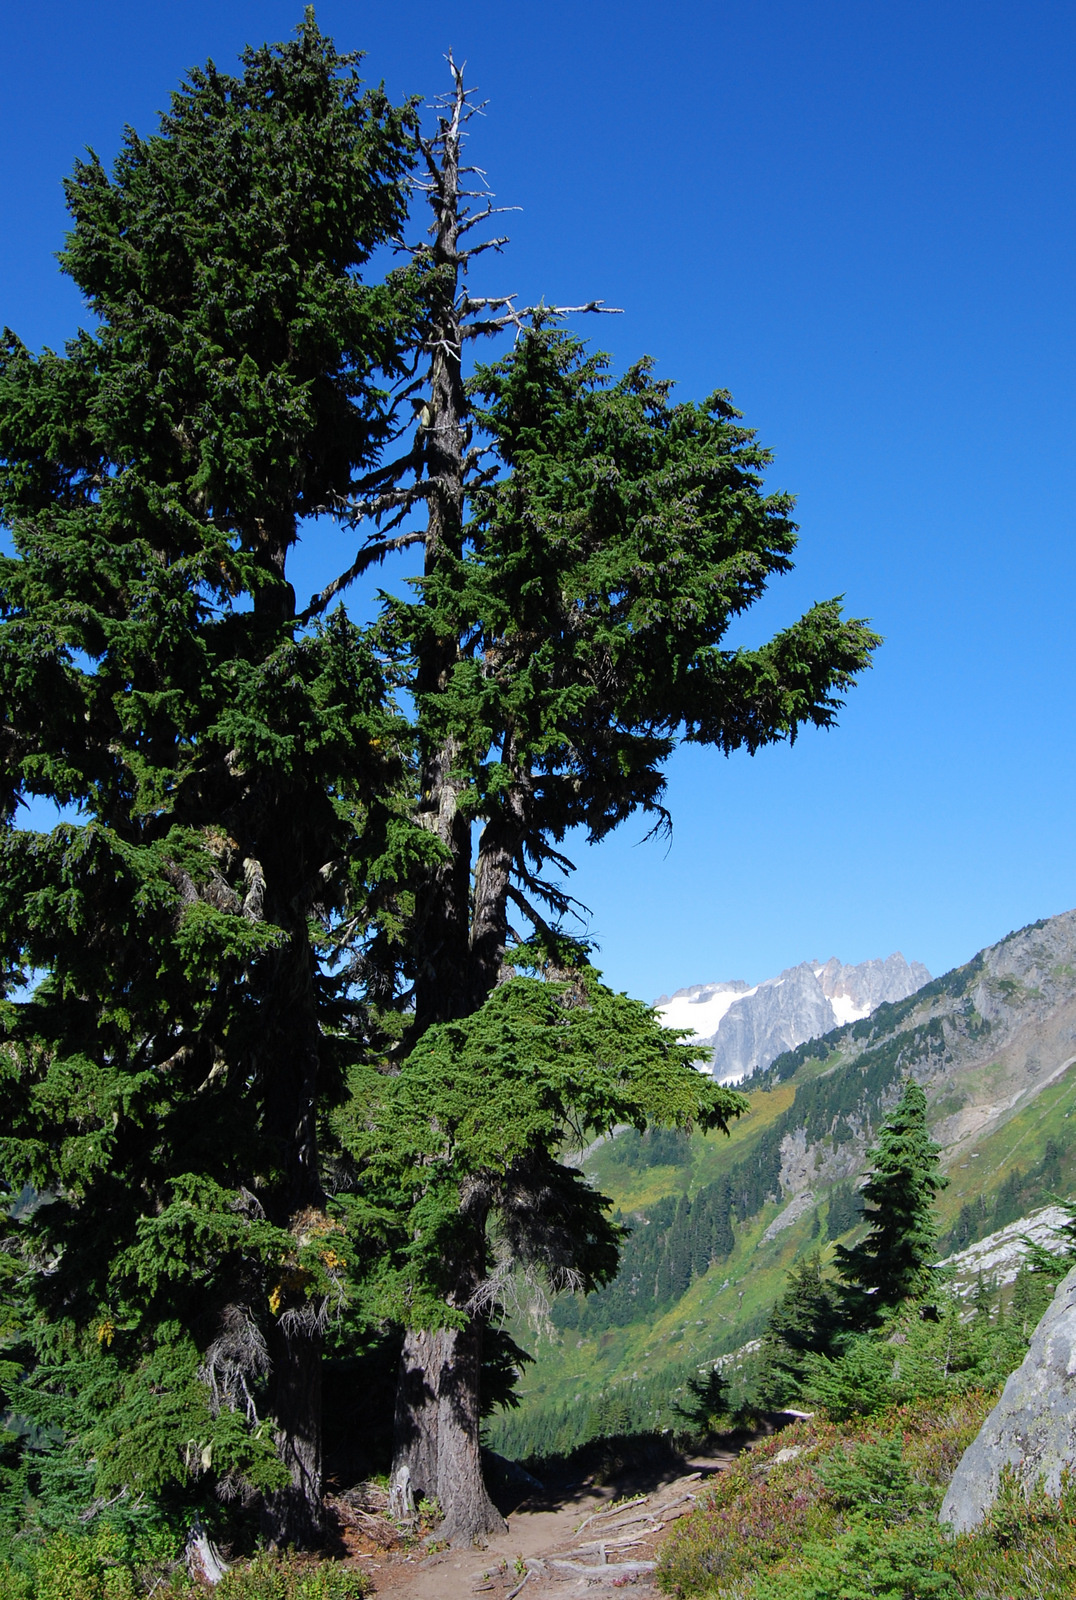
<point>562,1540</point>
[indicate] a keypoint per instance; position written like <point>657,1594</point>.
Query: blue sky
<point>858,217</point>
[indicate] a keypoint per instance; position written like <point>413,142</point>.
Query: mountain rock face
<point>984,1041</point>
<point>749,1028</point>
<point>855,992</point>
<point>1033,1426</point>
<point>776,1017</point>
<point>997,1258</point>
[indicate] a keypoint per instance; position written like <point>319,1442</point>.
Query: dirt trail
<point>561,1541</point>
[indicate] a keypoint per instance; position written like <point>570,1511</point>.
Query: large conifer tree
<point>224,773</point>
<point>264,877</point>
<point>586,545</point>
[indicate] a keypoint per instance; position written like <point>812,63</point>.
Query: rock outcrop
<point>748,1028</point>
<point>1033,1426</point>
<point>777,1016</point>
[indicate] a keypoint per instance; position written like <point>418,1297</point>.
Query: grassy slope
<point>729,1304</point>
<point>1019,1143</point>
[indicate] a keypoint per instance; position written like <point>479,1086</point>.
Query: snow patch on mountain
<point>701,1008</point>
<point>747,1028</point>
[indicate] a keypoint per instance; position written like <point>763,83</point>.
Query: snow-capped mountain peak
<point>750,1027</point>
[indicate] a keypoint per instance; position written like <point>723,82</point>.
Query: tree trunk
<point>293,1515</point>
<point>438,1394</point>
<point>470,1515</point>
<point>442,910</point>
<point>415,1422</point>
<point>437,1429</point>
<point>443,902</point>
<point>500,841</point>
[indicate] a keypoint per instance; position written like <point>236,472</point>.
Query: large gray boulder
<point>1033,1425</point>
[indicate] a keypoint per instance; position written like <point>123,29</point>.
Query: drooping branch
<point>365,559</point>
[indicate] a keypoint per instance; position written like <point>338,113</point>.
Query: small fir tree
<point>708,1404</point>
<point>805,1322</point>
<point>894,1261</point>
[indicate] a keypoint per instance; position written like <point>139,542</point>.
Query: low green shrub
<point>97,1566</point>
<point>1025,1547</point>
<point>72,1567</point>
<point>872,1478</point>
<point>868,1561</point>
<point>915,1358</point>
<point>936,1433</point>
<point>848,1511</point>
<point>291,1577</point>
<point>751,1516</point>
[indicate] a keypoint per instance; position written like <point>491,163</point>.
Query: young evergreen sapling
<point>894,1261</point>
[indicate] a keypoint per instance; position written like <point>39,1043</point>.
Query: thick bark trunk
<point>415,1422</point>
<point>437,1429</point>
<point>443,904</point>
<point>293,1515</point>
<point>470,1515</point>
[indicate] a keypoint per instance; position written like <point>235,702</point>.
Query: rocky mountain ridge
<point>747,1028</point>
<point>983,1040</point>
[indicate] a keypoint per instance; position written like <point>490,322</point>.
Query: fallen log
<point>611,1569</point>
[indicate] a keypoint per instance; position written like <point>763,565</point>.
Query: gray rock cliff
<point>803,1003</point>
<point>865,987</point>
<point>1033,1425</point>
<point>779,1015</point>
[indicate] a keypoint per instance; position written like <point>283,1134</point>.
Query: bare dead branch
<point>471,303</point>
<point>497,244</point>
<point>366,557</point>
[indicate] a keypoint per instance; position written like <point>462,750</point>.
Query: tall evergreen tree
<point>266,878</point>
<point>224,773</point>
<point>893,1262</point>
<point>586,545</point>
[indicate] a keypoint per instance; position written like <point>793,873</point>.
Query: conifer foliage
<point>464,1148</point>
<point>805,1322</point>
<point>225,775</point>
<point>893,1262</point>
<point>248,973</point>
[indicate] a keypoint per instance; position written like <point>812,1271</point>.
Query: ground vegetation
<point>844,1506</point>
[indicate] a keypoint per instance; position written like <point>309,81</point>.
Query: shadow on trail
<point>619,1465</point>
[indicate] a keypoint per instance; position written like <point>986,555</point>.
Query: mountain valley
<point>717,1223</point>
